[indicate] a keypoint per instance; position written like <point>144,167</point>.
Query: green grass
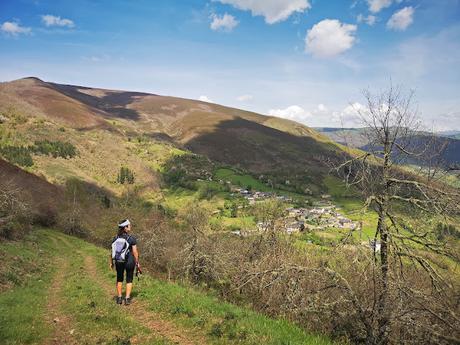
<point>243,222</point>
<point>242,180</point>
<point>97,318</point>
<point>155,154</point>
<point>23,308</point>
<point>178,197</point>
<point>94,314</point>
<point>225,323</point>
<point>245,180</point>
<point>23,305</point>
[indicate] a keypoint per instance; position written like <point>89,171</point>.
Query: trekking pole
<point>138,271</point>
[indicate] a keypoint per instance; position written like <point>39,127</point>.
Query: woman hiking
<point>125,256</point>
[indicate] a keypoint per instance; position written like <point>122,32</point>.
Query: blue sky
<point>307,60</point>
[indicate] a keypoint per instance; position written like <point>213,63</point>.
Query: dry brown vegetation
<point>25,199</point>
<point>334,291</point>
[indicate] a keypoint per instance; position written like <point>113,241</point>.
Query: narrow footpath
<point>77,279</point>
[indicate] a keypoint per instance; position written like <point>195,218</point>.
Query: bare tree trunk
<point>194,253</point>
<point>382,307</point>
<point>383,312</point>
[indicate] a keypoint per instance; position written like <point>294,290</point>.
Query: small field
<point>242,180</point>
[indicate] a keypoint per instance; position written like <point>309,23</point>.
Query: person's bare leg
<point>119,287</point>
<point>129,287</point>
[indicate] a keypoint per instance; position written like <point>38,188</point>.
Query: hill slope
<point>67,299</point>
<point>231,136</point>
<point>40,191</point>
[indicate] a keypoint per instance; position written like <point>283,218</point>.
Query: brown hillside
<point>228,135</point>
<point>38,98</point>
<point>41,191</point>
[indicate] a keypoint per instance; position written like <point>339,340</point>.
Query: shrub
<point>442,230</point>
<point>18,155</point>
<point>174,175</point>
<point>54,148</point>
<point>45,215</point>
<point>14,215</point>
<point>125,175</point>
<point>207,191</point>
<point>71,223</point>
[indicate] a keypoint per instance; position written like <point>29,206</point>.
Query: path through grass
<point>78,308</point>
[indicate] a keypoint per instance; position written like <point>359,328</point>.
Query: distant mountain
<point>355,137</point>
<point>450,134</point>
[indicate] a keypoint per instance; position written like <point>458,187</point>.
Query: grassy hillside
<point>67,284</point>
<point>143,131</point>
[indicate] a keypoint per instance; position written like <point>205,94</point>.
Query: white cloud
<point>299,114</point>
<point>377,5</point>
<point>401,19</point>
<point>321,115</point>
<point>14,29</point>
<point>225,23</point>
<point>293,112</point>
<point>204,98</point>
<point>50,20</point>
<point>329,38</point>
<point>244,98</point>
<point>272,10</point>
<point>369,20</point>
<point>350,115</point>
<point>322,108</point>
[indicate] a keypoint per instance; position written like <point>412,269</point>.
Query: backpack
<point>120,249</point>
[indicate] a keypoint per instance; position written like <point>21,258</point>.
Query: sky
<point>305,60</point>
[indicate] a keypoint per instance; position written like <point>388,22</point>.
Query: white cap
<point>125,223</point>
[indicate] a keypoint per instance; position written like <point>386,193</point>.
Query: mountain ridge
<point>231,136</point>
<point>447,143</point>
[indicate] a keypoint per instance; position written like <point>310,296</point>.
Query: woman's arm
<point>136,254</point>
<point>111,260</point>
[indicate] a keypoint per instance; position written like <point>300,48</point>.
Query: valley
<point>256,210</point>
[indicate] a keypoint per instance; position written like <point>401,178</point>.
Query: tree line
<point>22,155</point>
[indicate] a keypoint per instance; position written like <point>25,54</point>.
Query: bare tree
<point>200,260</point>
<point>405,202</point>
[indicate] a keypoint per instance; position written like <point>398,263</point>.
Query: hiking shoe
<point>119,300</point>
<point>127,300</point>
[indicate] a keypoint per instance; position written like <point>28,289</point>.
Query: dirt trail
<point>139,311</point>
<point>62,331</point>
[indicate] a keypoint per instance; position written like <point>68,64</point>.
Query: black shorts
<point>127,266</point>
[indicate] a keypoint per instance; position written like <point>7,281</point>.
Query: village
<point>320,216</point>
